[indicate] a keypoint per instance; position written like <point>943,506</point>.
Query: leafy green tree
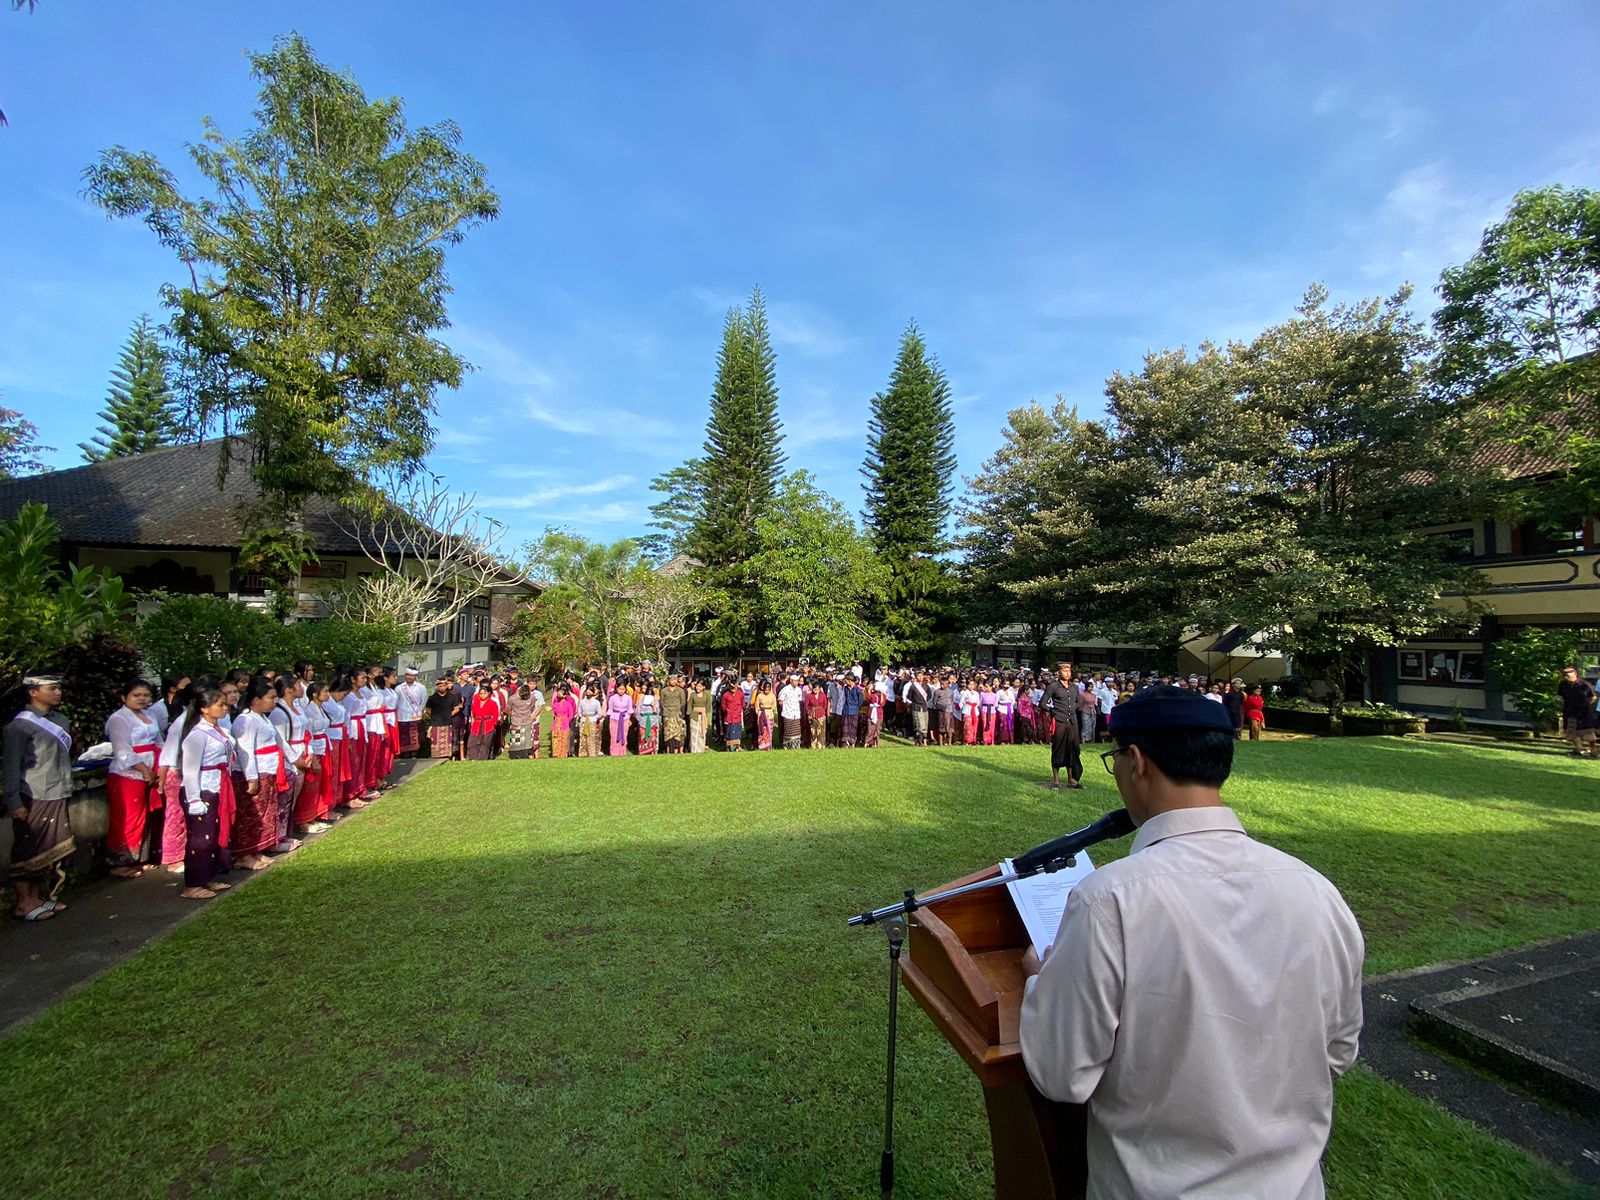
<point>1278,485</point>
<point>19,446</point>
<point>603,579</point>
<point>1367,455</point>
<point>139,414</point>
<point>1529,663</point>
<point>551,632</point>
<point>909,472</point>
<point>1517,333</point>
<point>1529,299</point>
<point>1025,527</point>
<point>315,265</point>
<point>45,610</point>
<point>817,576</point>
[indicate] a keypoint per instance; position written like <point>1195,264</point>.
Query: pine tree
<point>739,467</point>
<point>909,471</point>
<point>743,455</point>
<point>139,414</point>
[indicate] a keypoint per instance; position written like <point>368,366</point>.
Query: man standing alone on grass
<point>1063,701</point>
<point>1577,712</point>
<point>1204,992</point>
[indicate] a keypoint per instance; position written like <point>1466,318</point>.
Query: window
<point>480,627</point>
<point>459,628</point>
<point>1566,537</point>
<point>1436,666</point>
<point>1455,545</point>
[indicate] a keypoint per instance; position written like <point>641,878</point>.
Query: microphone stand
<point>893,918</point>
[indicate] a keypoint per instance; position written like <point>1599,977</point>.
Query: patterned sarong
<point>442,740</point>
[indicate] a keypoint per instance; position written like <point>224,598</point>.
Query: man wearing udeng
<point>1203,992</point>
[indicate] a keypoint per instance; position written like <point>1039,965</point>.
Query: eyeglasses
<point>1110,755</point>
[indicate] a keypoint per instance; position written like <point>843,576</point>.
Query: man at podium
<point>1204,992</point>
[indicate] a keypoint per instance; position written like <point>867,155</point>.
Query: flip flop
<point>43,913</point>
<point>55,906</point>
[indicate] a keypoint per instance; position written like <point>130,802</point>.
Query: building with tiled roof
<point>1534,575</point>
<point>170,520</point>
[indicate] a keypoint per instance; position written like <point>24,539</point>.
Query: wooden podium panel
<point>963,966</point>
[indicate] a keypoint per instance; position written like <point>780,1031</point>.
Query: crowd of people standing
<point>628,708</point>
<point>220,773</point>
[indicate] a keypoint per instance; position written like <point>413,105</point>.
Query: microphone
<point>1112,825</point>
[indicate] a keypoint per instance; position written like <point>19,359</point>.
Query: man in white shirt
<point>790,698</point>
<point>1203,992</point>
<point>410,696</point>
<point>1105,694</point>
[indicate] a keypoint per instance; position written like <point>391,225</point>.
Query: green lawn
<point>633,978</point>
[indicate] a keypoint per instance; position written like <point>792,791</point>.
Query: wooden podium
<point>963,965</point>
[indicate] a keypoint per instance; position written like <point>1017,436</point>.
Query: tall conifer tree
<point>909,471</point>
<point>738,470</point>
<point>139,414</point>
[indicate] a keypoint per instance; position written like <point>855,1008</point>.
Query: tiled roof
<point>1516,461</point>
<point>166,497</point>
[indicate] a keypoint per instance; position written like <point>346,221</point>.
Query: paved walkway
<point>1552,1133</point>
<point>109,920</point>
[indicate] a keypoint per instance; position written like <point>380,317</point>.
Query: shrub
<point>335,643</point>
<point>191,635</point>
<point>1380,712</point>
<point>93,673</point>
<point>1528,664</point>
<point>45,611</point>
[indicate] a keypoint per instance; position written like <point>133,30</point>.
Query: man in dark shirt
<point>1063,701</point>
<point>1577,712</point>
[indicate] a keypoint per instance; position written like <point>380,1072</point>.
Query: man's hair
<point>1203,756</point>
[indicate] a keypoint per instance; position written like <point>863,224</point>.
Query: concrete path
<point>1549,1131</point>
<point>109,919</point>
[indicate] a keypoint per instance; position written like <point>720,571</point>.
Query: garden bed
<point>1356,722</point>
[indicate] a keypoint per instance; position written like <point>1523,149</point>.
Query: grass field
<point>633,978</point>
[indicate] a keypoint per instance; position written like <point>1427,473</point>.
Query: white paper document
<point>1041,900</point>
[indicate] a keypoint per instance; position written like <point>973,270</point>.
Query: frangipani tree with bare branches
<point>434,550</point>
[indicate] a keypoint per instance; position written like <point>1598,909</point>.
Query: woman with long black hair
<point>205,793</point>
<point>263,772</point>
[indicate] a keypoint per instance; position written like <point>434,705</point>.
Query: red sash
<point>281,779</point>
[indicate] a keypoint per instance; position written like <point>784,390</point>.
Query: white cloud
<point>561,491</point>
<point>546,399</point>
<point>1391,119</point>
<point>807,329</point>
<point>714,301</point>
<point>1427,220</point>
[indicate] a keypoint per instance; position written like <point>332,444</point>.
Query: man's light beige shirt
<point>1202,995</point>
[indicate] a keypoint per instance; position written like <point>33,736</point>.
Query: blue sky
<point>1050,190</point>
